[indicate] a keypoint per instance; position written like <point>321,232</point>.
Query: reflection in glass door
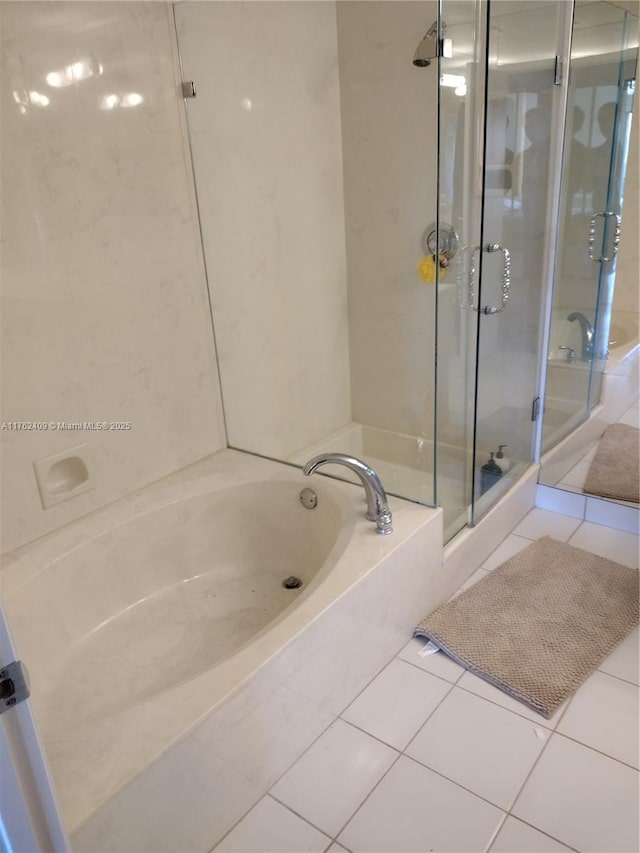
<point>598,122</point>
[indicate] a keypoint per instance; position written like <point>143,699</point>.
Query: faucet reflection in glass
<point>587,332</point>
<point>377,507</point>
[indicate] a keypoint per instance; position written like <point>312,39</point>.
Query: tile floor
<point>430,757</point>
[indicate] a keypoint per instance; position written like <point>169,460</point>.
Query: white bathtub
<point>173,677</point>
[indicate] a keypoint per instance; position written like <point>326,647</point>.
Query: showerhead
<point>418,60</point>
<point>427,50</point>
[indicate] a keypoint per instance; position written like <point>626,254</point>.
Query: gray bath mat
<point>615,470</point>
<point>539,624</point>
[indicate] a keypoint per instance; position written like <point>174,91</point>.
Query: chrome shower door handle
<point>592,236</point>
<point>506,279</point>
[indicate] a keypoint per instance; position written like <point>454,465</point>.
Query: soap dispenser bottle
<point>502,461</point>
<point>490,473</point>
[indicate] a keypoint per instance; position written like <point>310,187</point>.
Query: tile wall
<point>105,314</point>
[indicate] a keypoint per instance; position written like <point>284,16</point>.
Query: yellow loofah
<point>427,267</point>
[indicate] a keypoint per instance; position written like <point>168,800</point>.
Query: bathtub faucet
<point>587,332</point>
<point>377,507</point>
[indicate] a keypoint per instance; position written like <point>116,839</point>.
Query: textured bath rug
<point>539,624</point>
<point>615,470</point>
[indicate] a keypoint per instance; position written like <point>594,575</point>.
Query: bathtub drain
<point>292,582</point>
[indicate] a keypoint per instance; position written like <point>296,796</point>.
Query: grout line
<point>302,817</point>
<point>428,671</point>
<point>355,812</point>
<point>372,679</point>
<point>373,737</point>
<point>222,838</point>
<point>496,833</point>
<point>535,763</point>
<point>599,751</point>
<point>617,677</point>
<point>546,834</point>
<point>401,753</point>
<point>545,723</point>
<point>457,784</point>
<point>528,776</point>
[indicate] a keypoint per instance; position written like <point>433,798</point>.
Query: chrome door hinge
<point>557,72</point>
<point>188,89</point>
<point>13,685</point>
<point>535,409</point>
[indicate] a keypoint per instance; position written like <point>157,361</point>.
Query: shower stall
<point>381,267</point>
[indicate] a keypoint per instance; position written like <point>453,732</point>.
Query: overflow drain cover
<point>292,582</point>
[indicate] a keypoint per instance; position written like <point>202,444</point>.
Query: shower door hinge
<point>13,685</point>
<point>444,48</point>
<point>557,72</point>
<point>535,409</point>
<point>188,89</point>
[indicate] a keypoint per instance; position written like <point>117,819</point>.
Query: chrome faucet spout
<point>588,333</point>
<point>377,506</point>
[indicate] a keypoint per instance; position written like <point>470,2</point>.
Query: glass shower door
<point>498,107</point>
<point>522,109</point>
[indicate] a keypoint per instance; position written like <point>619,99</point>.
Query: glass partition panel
<point>460,152</point>
<point>602,82</point>
<point>314,149</point>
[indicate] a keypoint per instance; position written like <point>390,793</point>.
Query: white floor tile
<point>577,475</point>
<point>604,714</point>
<point>614,544</point>
<point>482,688</point>
<point>518,837</point>
<point>475,577</point>
<point>396,703</point>
<point>584,799</point>
<point>511,545</point>
<point>438,664</point>
<point>414,810</point>
<point>336,848</point>
<point>334,776</point>
<point>631,417</point>
<point>542,522</point>
<point>271,828</point>
<point>624,661</point>
<point>590,454</point>
<point>479,745</point>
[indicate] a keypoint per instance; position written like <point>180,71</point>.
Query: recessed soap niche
<point>64,475</point>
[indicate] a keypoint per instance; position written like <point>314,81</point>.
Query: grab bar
<point>506,279</point>
<point>592,236</point>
